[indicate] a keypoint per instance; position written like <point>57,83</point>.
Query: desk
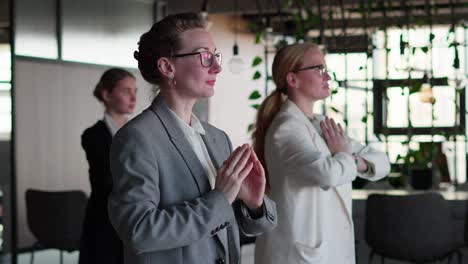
<point>448,195</point>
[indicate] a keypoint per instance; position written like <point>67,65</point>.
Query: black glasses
<point>206,58</point>
<point>322,69</point>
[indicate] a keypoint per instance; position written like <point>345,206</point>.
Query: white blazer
<point>312,191</point>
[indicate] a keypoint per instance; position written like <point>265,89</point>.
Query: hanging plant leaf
<point>334,76</point>
<point>250,127</point>
<point>361,68</point>
<point>456,60</point>
<point>255,95</point>
<point>257,75</point>
<point>413,50</point>
<point>269,78</point>
<point>256,61</point>
<point>334,91</point>
<point>255,106</point>
<point>424,49</point>
<point>253,26</point>
<point>452,29</point>
<point>258,37</point>
<point>364,119</point>
<point>415,86</point>
<point>334,109</point>
<point>431,37</point>
<point>420,22</point>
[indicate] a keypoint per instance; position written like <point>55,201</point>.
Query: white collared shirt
<point>110,123</point>
<point>193,133</point>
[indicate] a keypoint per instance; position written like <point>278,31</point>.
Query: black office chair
<point>55,218</point>
<point>417,228</point>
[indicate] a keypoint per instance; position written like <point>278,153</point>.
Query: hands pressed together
<point>338,142</point>
<point>242,176</point>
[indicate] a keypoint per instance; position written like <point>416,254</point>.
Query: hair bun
<point>136,55</point>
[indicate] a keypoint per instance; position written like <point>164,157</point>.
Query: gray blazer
<point>162,206</point>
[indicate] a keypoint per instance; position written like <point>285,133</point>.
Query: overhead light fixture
<point>204,14</point>
<point>236,63</point>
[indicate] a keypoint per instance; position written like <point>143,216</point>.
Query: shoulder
<point>98,129</point>
<point>144,124</point>
<point>285,121</point>
<point>212,130</point>
<point>216,133</point>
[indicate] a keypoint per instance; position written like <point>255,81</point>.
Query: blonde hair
<point>287,59</point>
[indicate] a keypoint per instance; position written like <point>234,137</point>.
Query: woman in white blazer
<point>310,164</point>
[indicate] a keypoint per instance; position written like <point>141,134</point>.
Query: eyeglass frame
<point>200,56</point>
<point>323,69</point>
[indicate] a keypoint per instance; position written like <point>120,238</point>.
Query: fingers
<point>325,131</point>
<point>233,159</point>
<point>245,171</point>
<point>245,156</point>
<point>341,131</point>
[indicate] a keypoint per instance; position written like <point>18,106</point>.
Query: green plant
<point>415,159</point>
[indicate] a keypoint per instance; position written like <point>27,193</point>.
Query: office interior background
<point>399,77</point>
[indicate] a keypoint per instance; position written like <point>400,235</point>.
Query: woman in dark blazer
<point>99,242</point>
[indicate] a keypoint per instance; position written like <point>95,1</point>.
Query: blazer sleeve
<point>134,208</point>
<point>377,161</point>
<point>300,158</point>
<point>254,226</point>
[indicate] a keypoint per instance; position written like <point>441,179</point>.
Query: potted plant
<point>416,166</point>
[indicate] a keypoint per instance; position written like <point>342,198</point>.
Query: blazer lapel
<point>217,158</point>
<point>160,108</point>
<point>321,144</point>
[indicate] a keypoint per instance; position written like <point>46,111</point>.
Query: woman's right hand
<point>233,172</point>
<point>335,137</point>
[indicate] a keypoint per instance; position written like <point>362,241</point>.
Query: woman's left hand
<point>252,190</point>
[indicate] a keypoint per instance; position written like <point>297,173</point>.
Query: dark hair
<point>162,40</point>
<point>109,80</point>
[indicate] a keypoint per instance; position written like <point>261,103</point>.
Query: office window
<point>5,63</point>
<point>104,32</point>
<point>5,112</point>
<point>36,29</point>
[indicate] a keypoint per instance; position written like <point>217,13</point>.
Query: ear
<point>166,68</point>
<point>291,80</point>
<point>105,96</point>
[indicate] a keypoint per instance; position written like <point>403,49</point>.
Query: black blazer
<point>99,241</point>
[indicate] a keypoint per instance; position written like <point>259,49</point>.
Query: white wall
<point>230,108</point>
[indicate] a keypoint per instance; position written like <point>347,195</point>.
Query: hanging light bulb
<point>236,63</point>
<point>425,92</point>
<point>204,14</point>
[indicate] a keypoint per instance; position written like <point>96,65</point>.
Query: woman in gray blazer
<point>179,195</point>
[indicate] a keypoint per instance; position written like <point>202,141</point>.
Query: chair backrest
<point>412,227</point>
<point>56,217</point>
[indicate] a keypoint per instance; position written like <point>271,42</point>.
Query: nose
<point>215,68</point>
<point>326,76</point>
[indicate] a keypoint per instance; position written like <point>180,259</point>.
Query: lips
<point>212,82</point>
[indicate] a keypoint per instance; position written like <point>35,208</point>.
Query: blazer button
<point>220,261</point>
